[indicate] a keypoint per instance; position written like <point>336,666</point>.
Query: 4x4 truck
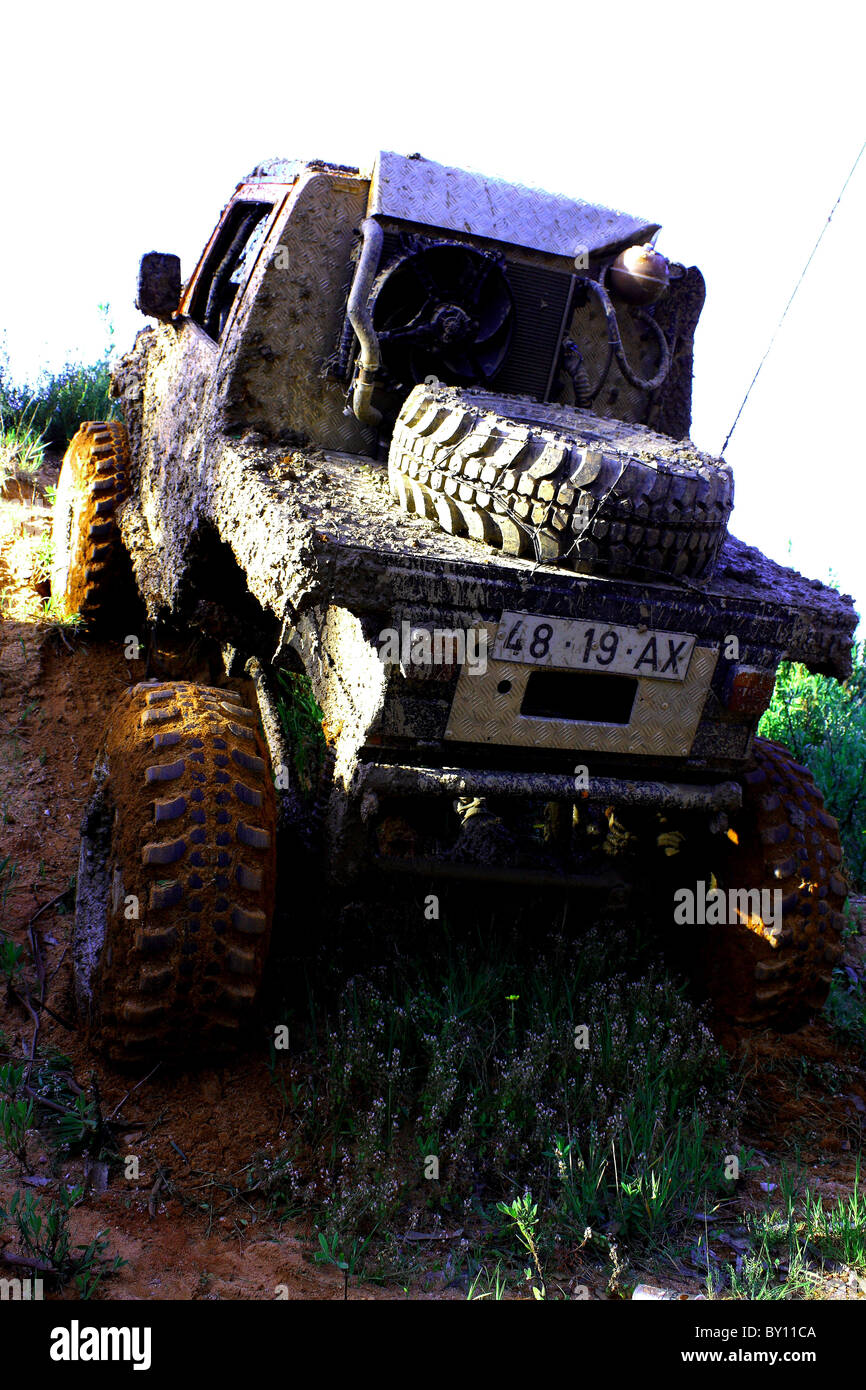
<point>416,440</point>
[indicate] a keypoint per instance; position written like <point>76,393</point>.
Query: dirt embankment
<point>189,1131</point>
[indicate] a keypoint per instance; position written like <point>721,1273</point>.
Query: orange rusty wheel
<point>94,480</point>
<point>177,873</point>
<point>778,974</point>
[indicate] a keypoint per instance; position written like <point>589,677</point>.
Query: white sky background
<point>125,129</point>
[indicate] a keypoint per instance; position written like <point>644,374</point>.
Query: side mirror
<point>159,285</point>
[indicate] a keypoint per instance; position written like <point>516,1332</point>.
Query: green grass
<point>846,1005</point>
<point>55,615</point>
<point>839,1231</point>
<point>22,445</point>
<point>69,1116</point>
<point>488,1283</point>
<point>823,722</point>
<point>11,957</point>
<point>797,1246</point>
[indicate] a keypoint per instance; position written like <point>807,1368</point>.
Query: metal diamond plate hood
<point>457,200</point>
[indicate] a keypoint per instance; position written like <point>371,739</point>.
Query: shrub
<point>49,411</point>
<point>823,722</point>
<point>75,394</point>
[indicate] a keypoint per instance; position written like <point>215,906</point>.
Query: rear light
<point>749,690</point>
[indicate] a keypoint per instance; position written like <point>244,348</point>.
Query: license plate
<point>586,645</point>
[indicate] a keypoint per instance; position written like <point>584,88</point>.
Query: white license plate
<point>586,645</point>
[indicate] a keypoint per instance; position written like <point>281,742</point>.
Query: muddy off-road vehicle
<point>415,442</point>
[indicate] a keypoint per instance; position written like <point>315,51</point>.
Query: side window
<point>228,265</point>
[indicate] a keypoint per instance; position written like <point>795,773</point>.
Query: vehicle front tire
<point>177,874</point>
<point>88,551</point>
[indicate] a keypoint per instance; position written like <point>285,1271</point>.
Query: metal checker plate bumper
<point>663,722</point>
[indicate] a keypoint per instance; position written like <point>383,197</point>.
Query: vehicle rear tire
<point>177,873</point>
<point>559,485</point>
<point>94,480</point>
<point>784,840</point>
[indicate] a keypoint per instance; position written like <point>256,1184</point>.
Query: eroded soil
<point>180,1226</point>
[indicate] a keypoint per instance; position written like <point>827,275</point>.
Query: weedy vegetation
<point>41,1226</point>
<point>798,1248</point>
<point>449,1097</point>
<point>302,723</point>
<point>22,447</point>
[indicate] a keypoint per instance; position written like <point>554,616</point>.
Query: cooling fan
<point>443,310</point>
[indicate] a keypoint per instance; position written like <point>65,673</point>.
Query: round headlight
<point>640,274</point>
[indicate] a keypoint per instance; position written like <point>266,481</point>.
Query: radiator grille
<point>541,298</point>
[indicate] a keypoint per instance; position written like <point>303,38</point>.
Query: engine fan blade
<point>417,329</point>
<point>444,310</point>
<point>499,314</point>
<point>424,276</point>
<point>460,365</point>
